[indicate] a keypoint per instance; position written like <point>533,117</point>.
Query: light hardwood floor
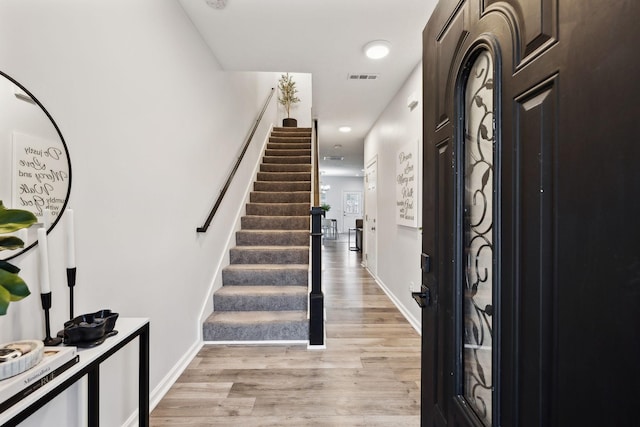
<point>369,374</point>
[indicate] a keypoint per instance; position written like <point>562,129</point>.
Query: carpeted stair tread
<point>285,167</point>
<point>261,298</point>
<point>285,140</point>
<point>266,316</point>
<point>272,237</point>
<point>284,176</point>
<point>289,144</point>
<point>292,133</point>
<point>282,186</point>
<point>256,326</point>
<point>269,255</point>
<point>268,222</point>
<point>306,135</point>
<point>265,274</point>
<point>287,153</point>
<point>279,197</point>
<point>263,290</point>
<point>287,159</point>
<point>291,129</point>
<point>278,209</point>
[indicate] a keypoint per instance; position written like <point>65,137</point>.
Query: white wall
<point>399,247</point>
<point>153,126</point>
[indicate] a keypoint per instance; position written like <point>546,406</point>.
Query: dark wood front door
<point>531,213</point>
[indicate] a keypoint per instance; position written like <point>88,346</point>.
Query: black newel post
<point>316,298</point>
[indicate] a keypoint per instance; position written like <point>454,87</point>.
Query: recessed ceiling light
<point>344,129</point>
<point>377,49</point>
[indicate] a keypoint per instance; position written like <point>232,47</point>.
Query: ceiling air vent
<point>333,158</point>
<point>362,76</point>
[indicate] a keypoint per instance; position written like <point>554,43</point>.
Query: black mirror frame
<point>66,150</point>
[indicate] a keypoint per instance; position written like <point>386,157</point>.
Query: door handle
<point>422,297</point>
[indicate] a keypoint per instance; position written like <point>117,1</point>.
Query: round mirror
<point>35,168</point>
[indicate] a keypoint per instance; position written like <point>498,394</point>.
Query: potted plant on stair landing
<point>287,98</point>
<point>325,208</point>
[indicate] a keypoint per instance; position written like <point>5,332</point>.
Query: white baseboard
<point>163,387</point>
<point>172,376</point>
<point>132,420</point>
<point>317,347</point>
<point>263,343</point>
<point>415,323</point>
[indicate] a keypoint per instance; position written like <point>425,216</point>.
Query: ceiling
<point>324,38</point>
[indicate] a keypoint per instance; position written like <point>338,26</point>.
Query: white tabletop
<point>125,327</point>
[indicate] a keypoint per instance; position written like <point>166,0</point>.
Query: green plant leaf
<point>10,242</point>
<point>4,300</point>
<point>16,287</point>
<point>12,287</point>
<point>7,266</point>
<point>15,219</point>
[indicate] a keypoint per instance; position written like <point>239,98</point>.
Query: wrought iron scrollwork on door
<point>478,236</point>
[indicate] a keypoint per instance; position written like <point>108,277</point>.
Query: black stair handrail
<point>235,167</point>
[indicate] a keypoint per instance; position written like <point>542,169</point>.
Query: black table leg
<point>143,396</point>
<point>93,397</point>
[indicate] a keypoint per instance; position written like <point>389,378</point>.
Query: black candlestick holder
<point>46,305</point>
<point>71,282</point>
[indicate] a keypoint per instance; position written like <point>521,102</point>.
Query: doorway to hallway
<point>370,257</point>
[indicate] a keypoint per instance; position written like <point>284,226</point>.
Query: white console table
<point>89,364</point>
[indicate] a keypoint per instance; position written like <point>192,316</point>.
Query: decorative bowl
<point>89,329</point>
<point>109,317</point>
<point>32,353</point>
